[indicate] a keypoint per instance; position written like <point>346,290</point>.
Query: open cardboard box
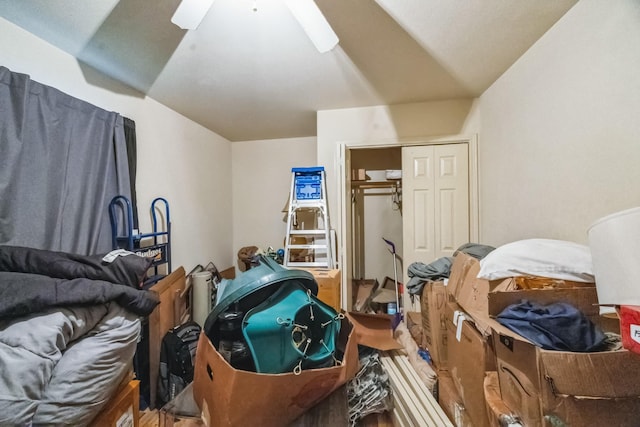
<point>482,299</point>
<point>229,397</point>
<point>598,388</point>
<point>577,388</point>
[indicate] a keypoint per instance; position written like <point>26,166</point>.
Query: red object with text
<point>630,327</point>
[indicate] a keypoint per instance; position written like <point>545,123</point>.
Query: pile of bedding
<point>69,325</point>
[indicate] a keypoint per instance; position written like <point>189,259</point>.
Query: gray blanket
<point>419,273</point>
<point>23,293</point>
<point>61,366</point>
<point>65,343</point>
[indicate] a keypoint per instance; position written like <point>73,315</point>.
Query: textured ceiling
<point>249,74</point>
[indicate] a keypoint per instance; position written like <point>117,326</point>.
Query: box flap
<point>609,374</point>
<point>461,263</point>
<point>383,296</point>
<point>321,272</point>
<point>472,295</point>
<point>497,409</point>
<point>362,292</point>
<point>374,330</point>
<point>584,299</point>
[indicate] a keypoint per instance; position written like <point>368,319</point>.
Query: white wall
<point>386,125</point>
<point>560,138</point>
<point>177,159</point>
<point>261,180</point>
<point>382,218</point>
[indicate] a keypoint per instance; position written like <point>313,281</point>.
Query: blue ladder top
<point>310,170</point>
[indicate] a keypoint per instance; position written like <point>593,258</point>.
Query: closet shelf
<point>375,184</point>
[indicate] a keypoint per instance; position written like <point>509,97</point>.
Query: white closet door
<point>435,198</point>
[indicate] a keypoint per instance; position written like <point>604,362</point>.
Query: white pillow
<point>557,259</point>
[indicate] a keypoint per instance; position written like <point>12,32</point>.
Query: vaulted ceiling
<point>250,72</point>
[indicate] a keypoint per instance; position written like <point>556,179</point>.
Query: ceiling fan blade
<point>190,13</point>
<point>314,24</point>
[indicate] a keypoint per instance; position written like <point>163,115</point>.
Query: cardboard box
<point>231,398</point>
<point>451,402</point>
<point>577,388</point>
<point>434,331</point>
<point>358,175</point>
<point>497,410</point>
<point>414,325</point>
<point>328,285</point>
<point>482,299</point>
<point>374,330</point>
<point>470,356</point>
<point>362,291</point>
<point>600,388</point>
<point>459,271</point>
<point>123,410</point>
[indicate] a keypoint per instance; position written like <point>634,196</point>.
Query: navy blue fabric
<point>557,326</point>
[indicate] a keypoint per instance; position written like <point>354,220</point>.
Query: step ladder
<point>308,241</point>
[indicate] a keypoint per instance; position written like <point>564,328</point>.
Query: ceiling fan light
<point>314,24</point>
<point>190,13</point>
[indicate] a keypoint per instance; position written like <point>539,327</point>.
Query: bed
<point>69,326</point>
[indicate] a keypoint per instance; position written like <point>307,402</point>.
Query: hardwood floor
<point>151,418</point>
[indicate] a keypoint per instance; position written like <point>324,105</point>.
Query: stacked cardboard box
<point>434,331</point>
<point>459,388</point>
<point>542,387</point>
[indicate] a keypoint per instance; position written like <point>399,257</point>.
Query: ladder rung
<point>305,232</point>
<point>308,246</point>
<point>308,204</point>
<point>307,264</point>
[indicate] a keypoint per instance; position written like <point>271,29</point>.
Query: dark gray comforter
<point>24,293</point>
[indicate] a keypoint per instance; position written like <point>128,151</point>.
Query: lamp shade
<point>615,250</point>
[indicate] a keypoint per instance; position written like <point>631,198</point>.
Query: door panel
<point>422,235</point>
<point>447,219</point>
<point>418,203</point>
<point>435,187</point>
<point>452,184</point>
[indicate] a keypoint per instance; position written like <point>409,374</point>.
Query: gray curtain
<point>61,162</point>
<point>132,157</point>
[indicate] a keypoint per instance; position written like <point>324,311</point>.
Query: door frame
<point>344,198</point>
